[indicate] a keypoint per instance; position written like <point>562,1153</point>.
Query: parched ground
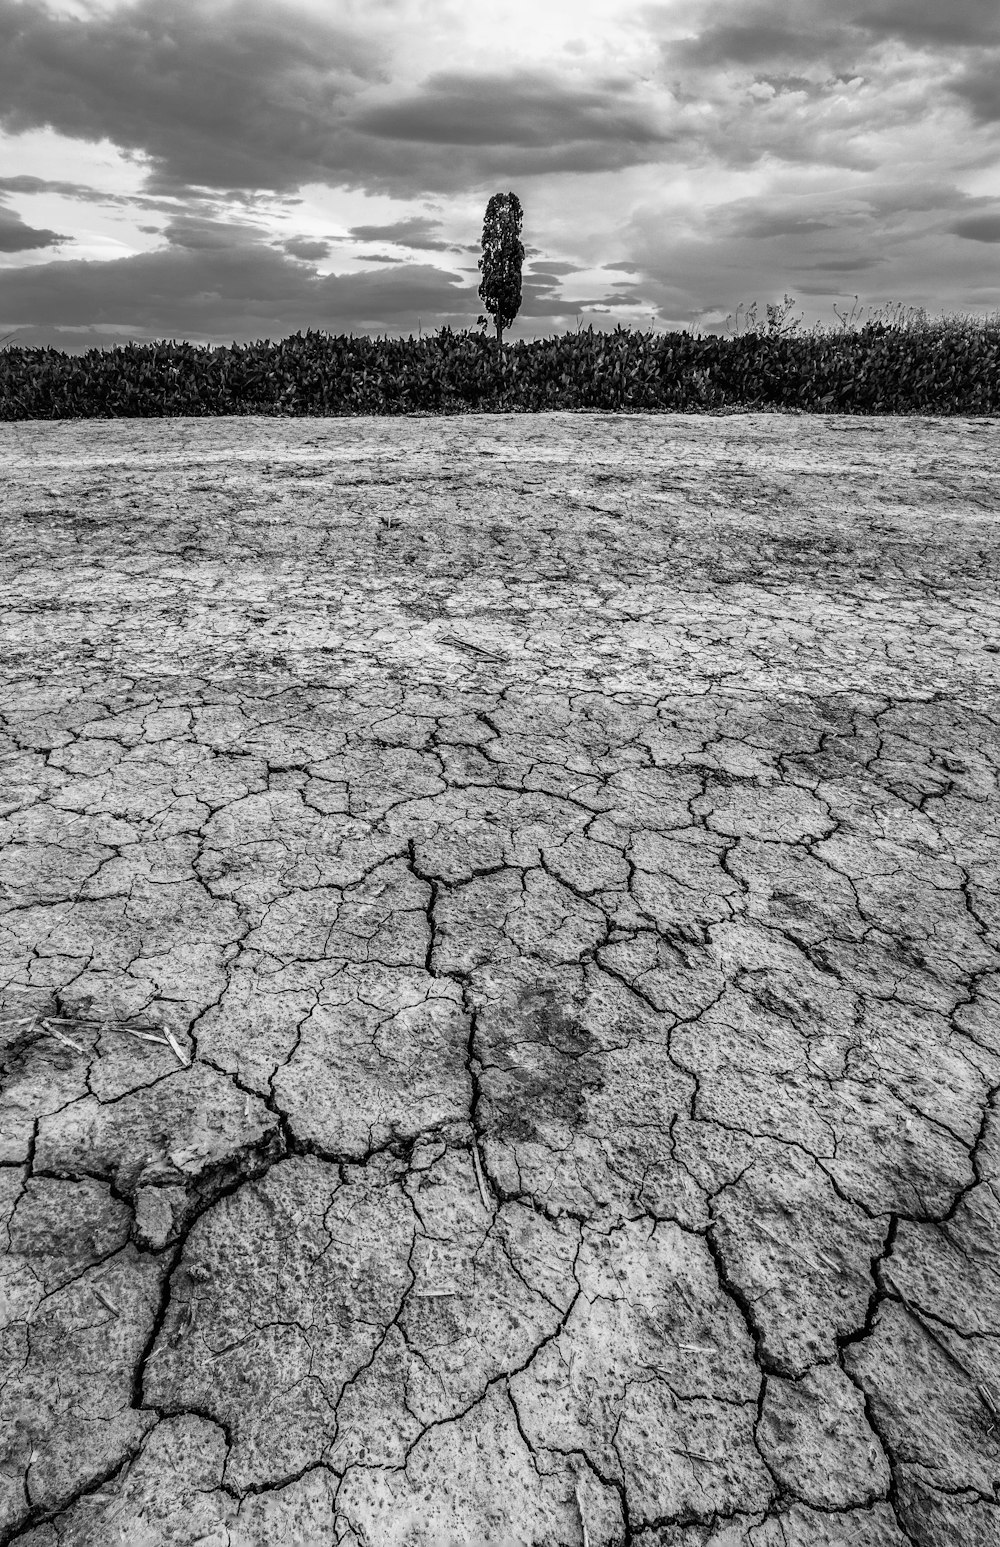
<point>500,950</point>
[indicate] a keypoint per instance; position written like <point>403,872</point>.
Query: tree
<point>503,255</point>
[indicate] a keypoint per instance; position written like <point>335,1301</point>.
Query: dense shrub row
<point>950,366</point>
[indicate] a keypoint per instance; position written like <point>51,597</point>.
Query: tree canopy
<point>503,254</point>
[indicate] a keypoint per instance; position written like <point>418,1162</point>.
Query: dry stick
<point>479,1177</point>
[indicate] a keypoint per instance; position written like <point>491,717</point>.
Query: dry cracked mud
<point>501,982</point>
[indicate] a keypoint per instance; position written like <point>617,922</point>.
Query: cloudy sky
<point>219,169</point>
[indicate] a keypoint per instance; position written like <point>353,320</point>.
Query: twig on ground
<point>112,1307</point>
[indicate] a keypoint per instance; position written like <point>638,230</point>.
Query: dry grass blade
<point>184,1324</point>
<point>143,1036</point>
<point>925,1326</point>
<point>54,1031</point>
<point>583,1518</point>
<point>65,1020</point>
<point>784,1245</point>
<point>479,1177</point>
<point>178,1050</point>
<point>990,1401</point>
<point>466,644</point>
<point>112,1307</point>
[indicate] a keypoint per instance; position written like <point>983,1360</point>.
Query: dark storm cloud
<point>933,23</point>
<point>881,201</point>
<point>530,108</point>
<point>24,184</point>
<point>554,268</point>
<point>462,129</point>
<point>978,86</point>
<point>303,247</point>
<point>249,94</point>
<point>779,223</point>
<point>870,213</point>
<point>202,232</point>
<point>978,228</point>
<point>88,195</point>
<point>737,34</point>
<point>808,51</point>
<point>15,236</point>
<point>840,265</point>
<point>416,231</point>
<point>725,43</point>
<point>217,292</point>
<point>240,93</point>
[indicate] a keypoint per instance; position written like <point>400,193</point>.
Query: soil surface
<point>500,982</point>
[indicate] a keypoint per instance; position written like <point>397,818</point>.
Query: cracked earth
<point>500,963</point>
